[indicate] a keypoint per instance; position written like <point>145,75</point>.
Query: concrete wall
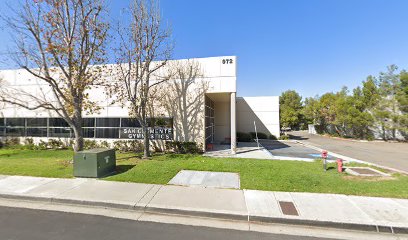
<point>263,110</point>
<point>222,121</point>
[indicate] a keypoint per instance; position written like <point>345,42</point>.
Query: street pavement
<point>389,154</point>
<point>22,224</point>
<point>312,209</point>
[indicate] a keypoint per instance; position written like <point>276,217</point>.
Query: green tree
<point>386,112</point>
<point>291,114</point>
<point>402,98</point>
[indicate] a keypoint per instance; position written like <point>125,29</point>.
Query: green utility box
<point>94,163</point>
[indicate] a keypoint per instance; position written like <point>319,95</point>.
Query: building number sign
<point>227,61</point>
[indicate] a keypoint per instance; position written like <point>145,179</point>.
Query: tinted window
<point>2,122</point>
<point>130,122</point>
<point>107,122</point>
<point>89,132</point>
<point>36,132</point>
<point>16,132</point>
<point>36,122</point>
<point>89,122</point>
<point>107,133</point>
<point>58,122</point>
<point>60,132</point>
<point>15,122</point>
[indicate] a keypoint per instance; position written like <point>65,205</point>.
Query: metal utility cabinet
<point>94,163</point>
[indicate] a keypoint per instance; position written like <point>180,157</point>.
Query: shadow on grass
<point>129,157</point>
<point>123,168</point>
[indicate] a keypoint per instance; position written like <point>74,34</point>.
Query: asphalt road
<point>18,224</point>
<point>389,154</point>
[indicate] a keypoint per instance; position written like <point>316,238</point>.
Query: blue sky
<point>312,46</point>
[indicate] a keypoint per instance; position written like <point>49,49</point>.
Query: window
<point>15,122</point>
<point>130,122</point>
<point>89,122</point>
<point>60,132</point>
<point>15,132</point>
<point>36,122</point>
<point>89,132</point>
<point>108,122</point>
<point>36,132</point>
<point>58,122</point>
<point>107,133</point>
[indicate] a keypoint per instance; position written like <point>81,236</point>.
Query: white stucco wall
<point>263,110</point>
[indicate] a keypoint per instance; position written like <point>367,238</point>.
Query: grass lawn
<point>290,176</point>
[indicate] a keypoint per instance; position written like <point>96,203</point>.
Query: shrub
<point>260,135</point>
<point>56,144</point>
<point>284,137</point>
<point>104,144</point>
<point>183,147</point>
<point>10,142</point>
<point>128,146</point>
<point>243,137</point>
<point>42,145</point>
<point>273,137</point>
<point>89,144</point>
<point>29,144</point>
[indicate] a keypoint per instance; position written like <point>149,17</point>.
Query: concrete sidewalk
<point>326,210</point>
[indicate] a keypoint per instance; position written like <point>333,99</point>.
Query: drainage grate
<point>288,208</point>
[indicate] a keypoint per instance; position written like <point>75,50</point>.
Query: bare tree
<point>145,48</point>
<point>60,43</point>
<point>183,98</point>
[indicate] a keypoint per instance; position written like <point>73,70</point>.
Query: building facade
<point>202,107</point>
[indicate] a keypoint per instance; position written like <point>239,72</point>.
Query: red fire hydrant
<point>339,165</point>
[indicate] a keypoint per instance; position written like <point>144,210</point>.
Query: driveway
<point>393,155</point>
<point>290,149</point>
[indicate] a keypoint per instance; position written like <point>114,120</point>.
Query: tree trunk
<point>146,143</point>
<point>146,137</point>
<point>79,139</point>
<point>78,122</point>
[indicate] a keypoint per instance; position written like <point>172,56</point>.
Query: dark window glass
<point>58,122</point>
<point>15,122</point>
<point>2,122</point>
<point>130,122</point>
<point>89,122</point>
<point>36,132</point>
<point>36,122</point>
<point>15,132</point>
<point>107,133</point>
<point>2,129</point>
<point>107,122</point>
<point>60,132</point>
<point>89,132</point>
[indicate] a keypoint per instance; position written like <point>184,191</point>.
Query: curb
<point>215,215</point>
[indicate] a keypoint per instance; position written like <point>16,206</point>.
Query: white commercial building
<point>220,114</point>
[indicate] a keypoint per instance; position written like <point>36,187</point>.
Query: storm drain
<point>288,208</point>
<point>365,172</point>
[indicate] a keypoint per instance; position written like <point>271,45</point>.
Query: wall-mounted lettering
<point>227,61</point>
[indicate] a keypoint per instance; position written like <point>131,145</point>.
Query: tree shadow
<point>296,137</point>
